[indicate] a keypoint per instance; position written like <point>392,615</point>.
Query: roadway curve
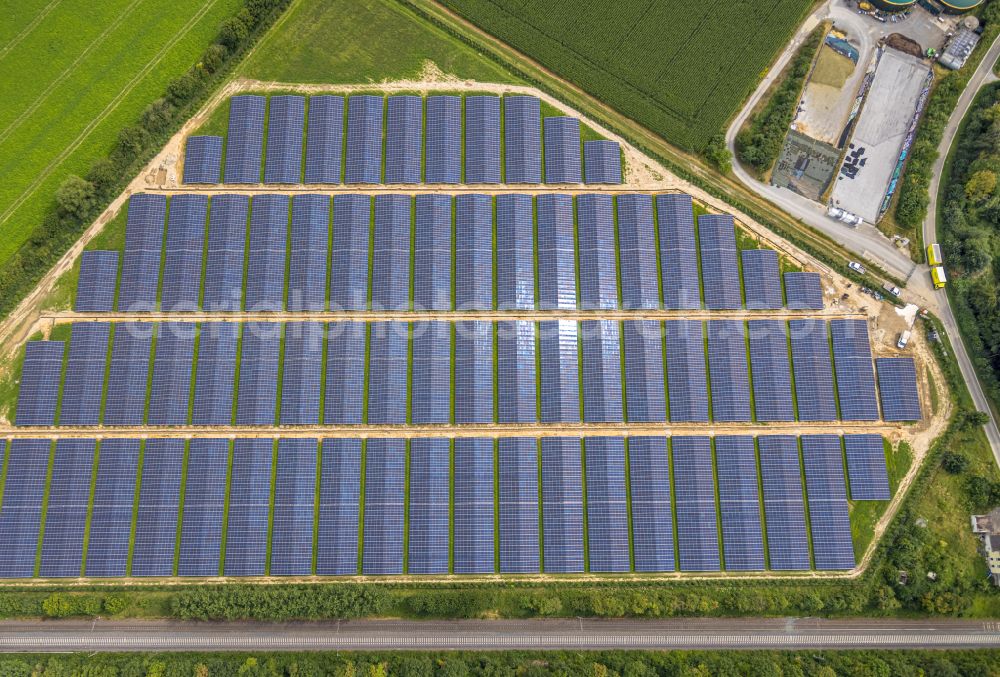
<point>715,633</point>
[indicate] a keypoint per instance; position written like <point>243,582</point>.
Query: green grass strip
<point>180,506</point>
<point>263,151</point>
<point>283,330</point>
<point>62,373</point>
<point>90,508</point>
<point>708,372</point>
<point>285,280</point>
<point>753,402</point>
<point>628,507</point>
<point>673,504</point>
<point>135,507</point>
<point>656,249</point>
<point>45,508</point>
<point>760,504</point>
<point>324,365</point>
<point>161,264</point>
<point>409,374</point>
<point>225,507</point>
<point>236,372</point>
<point>791,371</point>
<point>361,505</point>
<point>618,252</point>
<point>204,255</point>
<point>718,506</point>
<point>270,506</point>
<point>697,258</point>
<point>833,371</point>
<point>194,369</point>
<point>576,251</point>
<point>583,496</point>
<point>107,372</point>
<point>805,503</point>
<point>663,363</point>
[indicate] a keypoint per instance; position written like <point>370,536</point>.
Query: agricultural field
<point>650,61</point>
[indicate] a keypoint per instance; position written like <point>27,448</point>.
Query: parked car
<point>856,267</point>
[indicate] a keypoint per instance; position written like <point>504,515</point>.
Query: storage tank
<point>959,6</point>
<point>893,5</point>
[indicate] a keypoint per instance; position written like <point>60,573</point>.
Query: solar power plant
<point>637,252</point>
<point>474,372</point>
<point>784,510</point>
<point>66,512</point>
<point>258,382</point>
<point>245,140</point>
<point>607,505</point>
<point>602,162</point>
<point>562,150</point>
<point>143,249</point>
<point>203,159</point>
<point>559,382</point>
<point>522,139</point>
<point>364,139</point>
<point>761,280</point>
<point>822,459</point>
<point>431,373</point>
<point>294,508</point>
<point>111,513</point>
<point>227,236</point>
<point>95,288</point>
<point>391,252</point>
<point>517,505</point>
<point>556,252</point>
<point>813,370</point>
<point>602,377</point>
<point>717,239</point>
<point>38,394</point>
<point>339,508</point>
<point>897,384</point>
<point>866,470</point>
<point>728,371</point>
<point>83,385</point>
<point>430,505</point>
<point>694,495</point>
<point>432,252</point>
<point>300,377</point>
<point>215,374</point>
<point>128,375</point>
<point>515,247</point>
<point>307,256</point>
<point>443,131</point>
<point>652,516</point>
<point>686,379</point>
<point>482,139</point>
<point>158,508</point>
<point>249,506</point>
<point>562,505</point>
<point>678,252</point>
<point>473,531</point>
<point>182,258</point>
<point>345,373</point>
<point>265,278</point>
<point>324,139</point>
<point>644,384</point>
<point>772,380</point>
<point>385,462</point>
<point>804,291</point>
<point>739,503</point>
<point>21,513</point>
<point>350,255</point>
<point>596,248</point>
<point>473,252</point>
<point>852,363</point>
<point>285,117</point>
<point>204,501</point>
<point>404,120</point>
<point>387,366</point>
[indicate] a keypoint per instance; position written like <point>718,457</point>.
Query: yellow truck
<point>938,277</point>
<point>934,257</point>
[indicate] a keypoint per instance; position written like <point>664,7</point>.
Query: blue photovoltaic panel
<point>516,383</point>
<point>813,370</point>
<point>249,505</point>
<point>556,253</point>
<point>852,361</point>
<point>245,140</point>
<point>364,139</point>
<point>562,505</point>
<point>897,385</point>
<point>258,386</point>
<point>111,515</point>
<point>678,252</point>
<point>66,515</point>
<point>781,480</point>
<point>515,245</point>
<point>159,503</point>
<point>204,500</point>
<point>95,288</point>
<point>652,519</point>
<point>443,128</point>
<point>728,373</point>
<point>430,399</point>
<point>596,243</point>
<point>560,382</point>
<point>345,373</point>
<point>324,139</point>
<point>202,159</point>
<point>772,379</point>
<point>430,503</point>
<point>602,371</point>
<point>352,219</point>
<point>686,379</point>
<point>300,378</point>
<point>694,496</point>
<point>760,279</point>
<point>143,248</point>
<point>518,505</point>
<point>404,133</point>
<point>125,401</point>
<point>522,139</point>
<point>607,507</point>
<point>391,253</point>
<point>482,139</point>
<point>294,502</point>
<point>21,514</point>
<point>866,469</point>
<point>339,500</point>
<point>385,463</point>
<point>562,150</point>
<point>182,258</point>
<point>717,239</point>
<point>171,381</point>
<point>473,553</point>
<point>474,372</point>
<point>804,291</point>
<point>432,255</point>
<point>265,285</point>
<point>823,461</point>
<point>644,384</point>
<point>38,392</point>
<point>85,367</point>
<point>283,162</point>
<point>215,374</point>
<point>387,371</point>
<point>637,252</point>
<point>308,249</point>
<point>227,236</point>
<point>473,252</point>
<point>602,162</point>
<point>739,503</point>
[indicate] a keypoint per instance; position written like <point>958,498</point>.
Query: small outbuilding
<point>987,527</point>
<point>959,48</point>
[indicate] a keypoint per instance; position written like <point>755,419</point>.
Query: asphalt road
<point>725,633</point>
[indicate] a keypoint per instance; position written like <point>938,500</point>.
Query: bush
<point>954,463</point>
<point>75,198</point>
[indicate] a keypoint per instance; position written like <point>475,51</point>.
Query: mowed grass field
<point>72,75</point>
<point>681,68</point>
